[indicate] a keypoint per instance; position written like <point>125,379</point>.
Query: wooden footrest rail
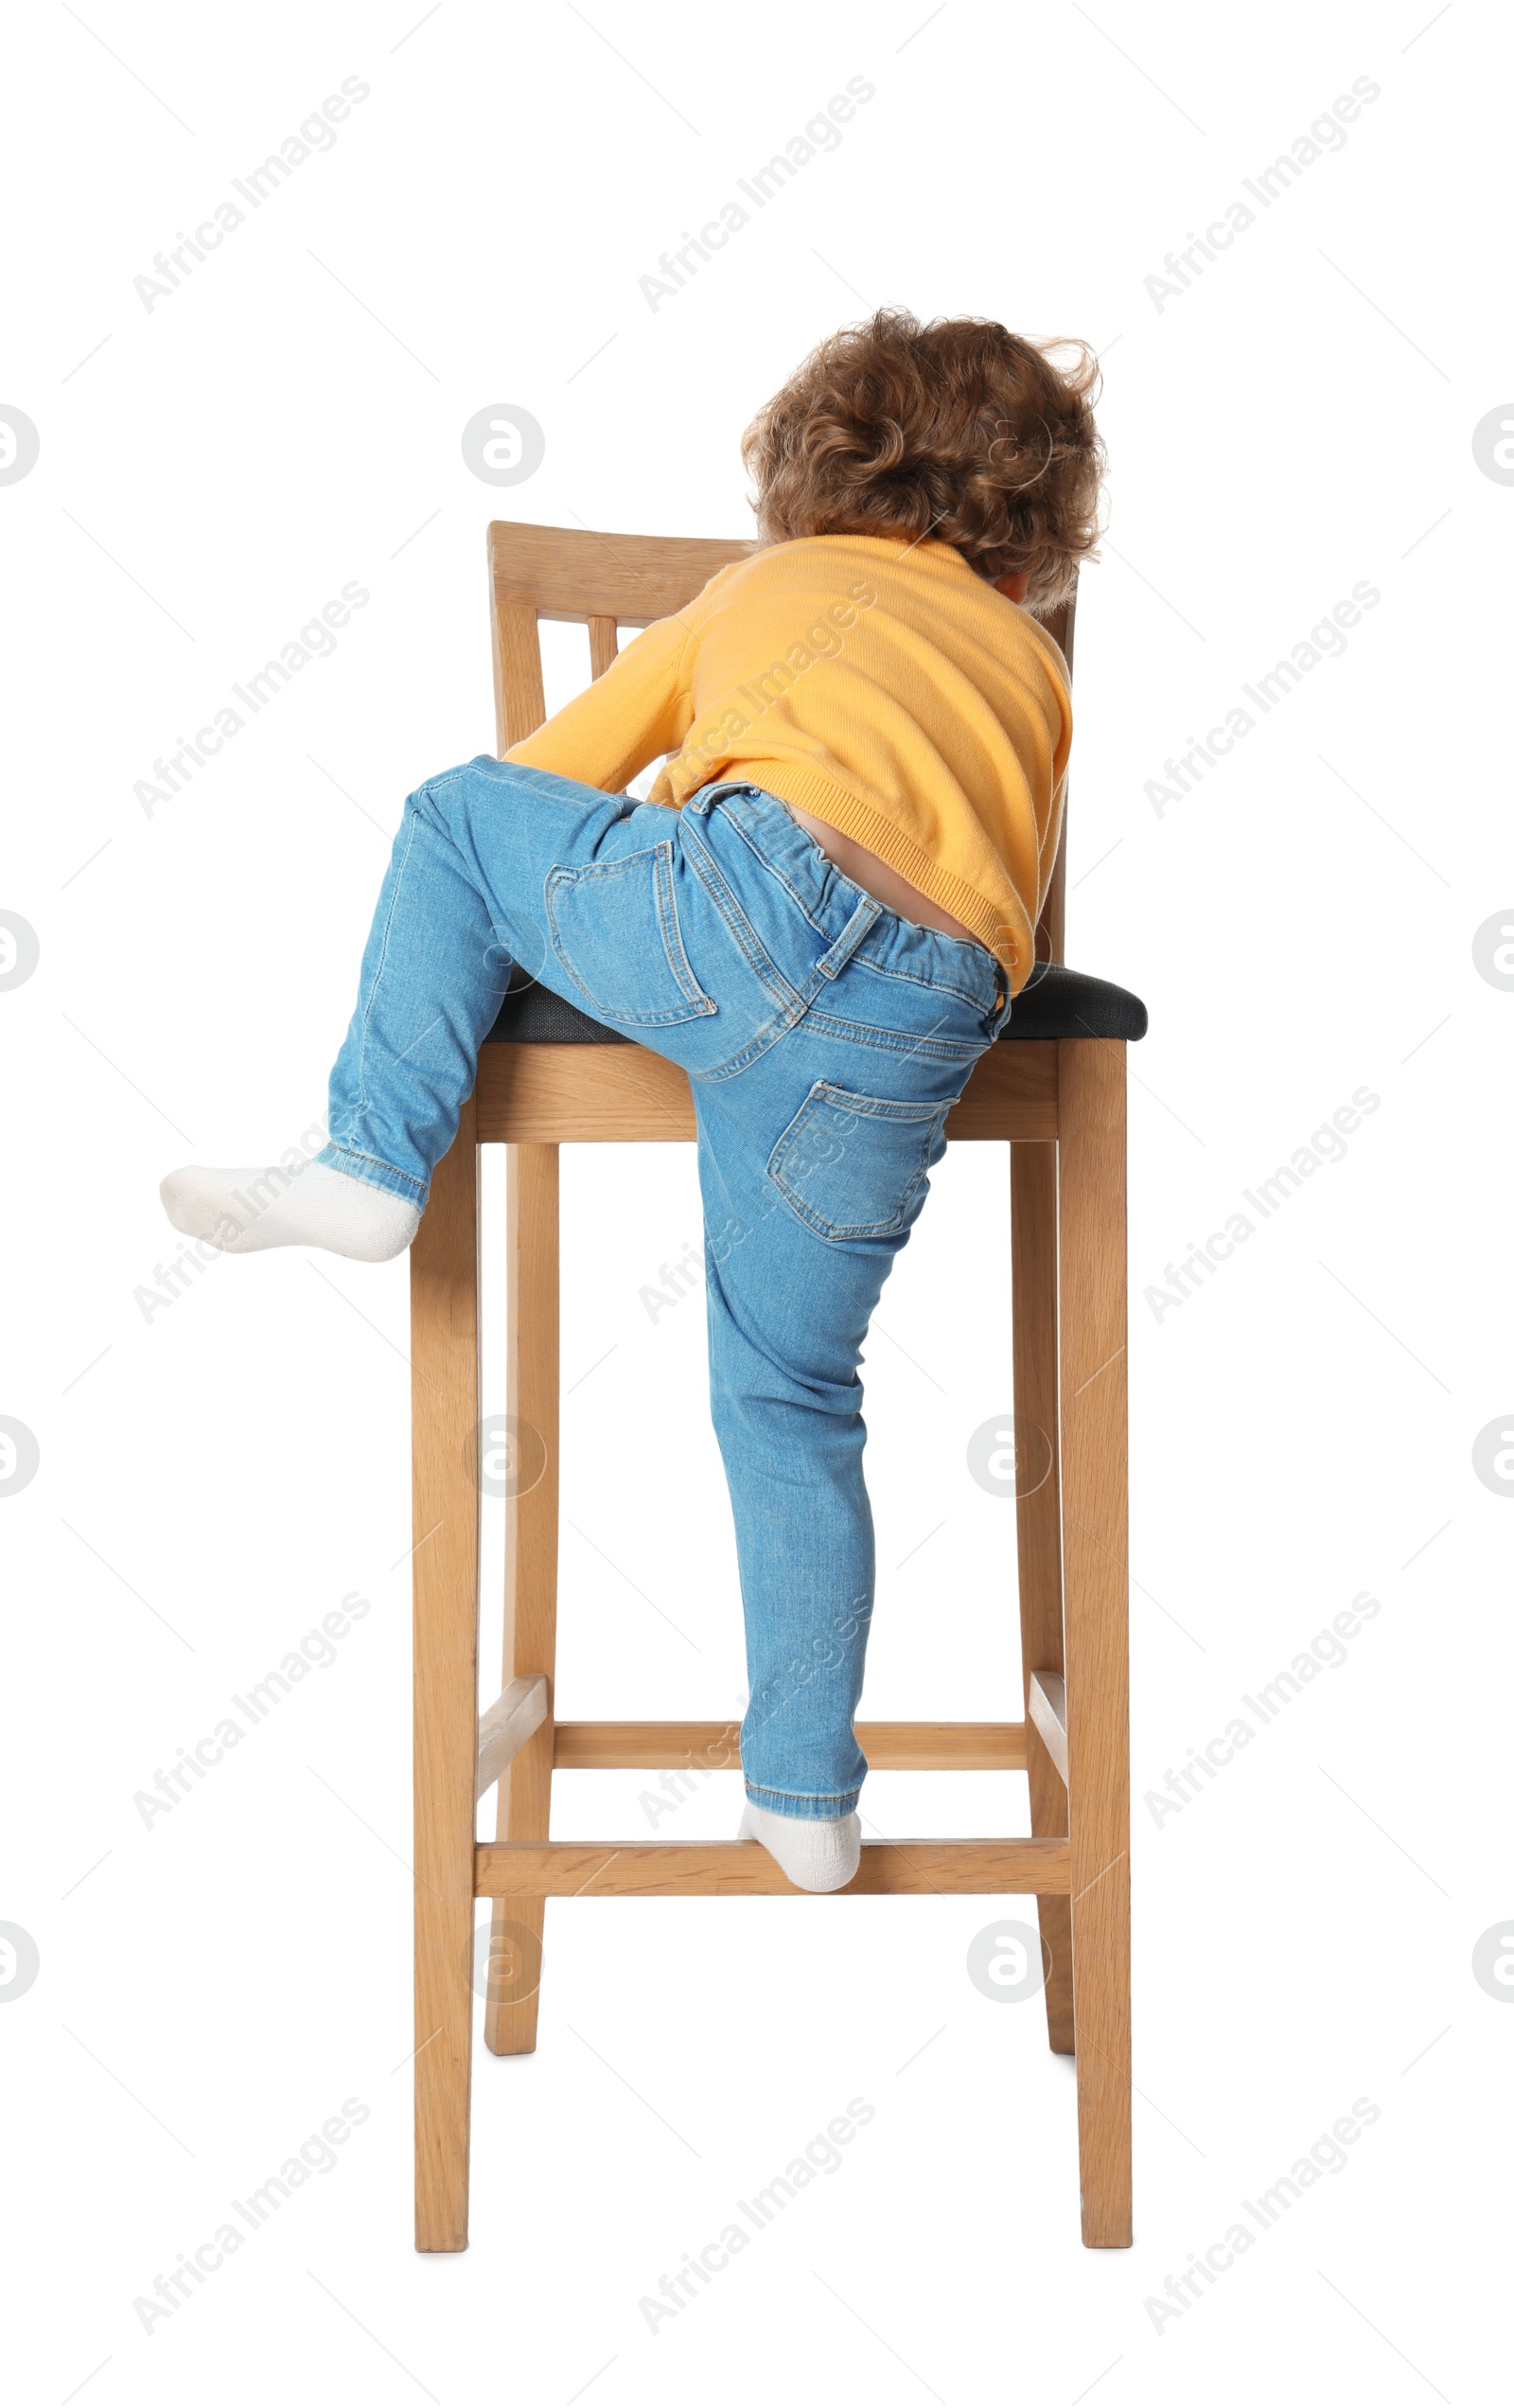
<point>743,1868</point>
<point>737,1868</point>
<point>889,1748</point>
<point>609,1747</point>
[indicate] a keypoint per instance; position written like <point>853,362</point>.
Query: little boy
<point>822,913</point>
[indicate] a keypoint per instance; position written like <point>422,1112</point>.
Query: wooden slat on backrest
<point>603,581</point>
<point>572,572</point>
<point>520,698</point>
<point>609,581</point>
<point>1051,936</point>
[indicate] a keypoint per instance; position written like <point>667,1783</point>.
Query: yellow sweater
<point>886,687</point>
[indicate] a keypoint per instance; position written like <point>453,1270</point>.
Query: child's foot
<point>813,1855</point>
<point>243,1212</point>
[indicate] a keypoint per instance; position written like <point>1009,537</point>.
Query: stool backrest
<point>605,582</point>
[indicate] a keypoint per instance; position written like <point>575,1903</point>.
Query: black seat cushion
<point>532,1015</point>
<point>1055,1002</point>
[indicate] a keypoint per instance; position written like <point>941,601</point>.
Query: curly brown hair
<point>957,429</point>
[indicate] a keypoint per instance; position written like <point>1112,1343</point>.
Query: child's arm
<point>640,708</point>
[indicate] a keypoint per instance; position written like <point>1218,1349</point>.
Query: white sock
<point>815,1855</point>
<point>244,1212</point>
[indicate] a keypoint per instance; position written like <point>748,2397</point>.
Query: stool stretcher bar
<point>743,1868</point>
<point>715,1748</point>
<point>520,1709</point>
<point>1048,1695</point>
<point>889,1748</point>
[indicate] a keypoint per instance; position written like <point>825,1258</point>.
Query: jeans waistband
<point>959,964</point>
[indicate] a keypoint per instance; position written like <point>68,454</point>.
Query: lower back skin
<point>873,874</point>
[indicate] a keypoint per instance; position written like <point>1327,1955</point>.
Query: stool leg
<point>1091,1218</point>
<point>445,1572</point>
<point>1038,1517</point>
<point>525,1810</point>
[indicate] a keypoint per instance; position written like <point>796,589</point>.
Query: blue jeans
<point>825,1038</point>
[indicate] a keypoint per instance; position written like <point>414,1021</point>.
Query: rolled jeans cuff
<point>802,1808</point>
<point>375,1173</point>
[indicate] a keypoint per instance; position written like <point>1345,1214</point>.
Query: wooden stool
<point>1054,1087</point>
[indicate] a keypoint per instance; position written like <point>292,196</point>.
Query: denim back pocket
<point>615,930</point>
<point>858,1165</point>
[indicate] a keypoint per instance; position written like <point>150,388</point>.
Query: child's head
<point>956,429</point>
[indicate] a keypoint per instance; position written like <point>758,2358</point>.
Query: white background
<point>217,1475</point>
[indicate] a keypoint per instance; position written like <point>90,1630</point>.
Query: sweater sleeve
<point>640,707</point>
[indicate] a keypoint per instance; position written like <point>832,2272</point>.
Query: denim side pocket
<point>615,930</point>
<point>857,1165</point>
